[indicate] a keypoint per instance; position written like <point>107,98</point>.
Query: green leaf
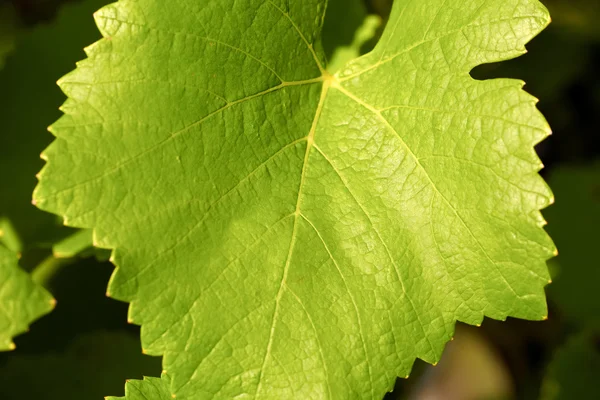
<point>574,371</point>
<point>94,363</point>
<point>574,222</point>
<point>285,233</point>
<point>21,300</point>
<point>148,389</point>
<point>9,237</point>
<point>28,104</point>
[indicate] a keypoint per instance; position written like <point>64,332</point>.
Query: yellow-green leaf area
<point>22,301</point>
<point>282,232</point>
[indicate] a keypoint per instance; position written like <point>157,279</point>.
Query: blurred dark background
<point>86,344</point>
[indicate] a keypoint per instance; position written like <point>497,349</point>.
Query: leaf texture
<point>282,232</point>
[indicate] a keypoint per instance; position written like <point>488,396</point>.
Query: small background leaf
<point>21,300</point>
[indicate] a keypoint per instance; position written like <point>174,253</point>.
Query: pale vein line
<point>309,145</point>
<point>308,44</point>
<point>219,275</point>
<point>464,113</point>
<point>209,208</point>
<point>143,80</point>
<point>385,246</point>
<point>444,259</point>
<point>416,159</point>
<point>360,326</point>
<point>175,134</point>
<point>317,336</point>
<point>205,38</point>
<point>393,32</point>
<point>434,19</point>
<point>485,167</point>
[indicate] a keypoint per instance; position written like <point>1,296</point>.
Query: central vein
<point>328,80</point>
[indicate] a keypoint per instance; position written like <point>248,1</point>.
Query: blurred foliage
<point>92,366</point>
<point>84,349</point>
<point>8,31</point>
<point>574,373</point>
<point>574,222</point>
<point>340,31</point>
<point>581,17</point>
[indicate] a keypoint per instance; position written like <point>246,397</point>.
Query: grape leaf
<point>28,105</point>
<point>148,389</point>
<point>284,233</point>
<point>574,370</point>
<point>94,363</point>
<point>21,300</point>
<point>574,222</point>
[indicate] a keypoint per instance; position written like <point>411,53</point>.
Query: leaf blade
<point>307,185</point>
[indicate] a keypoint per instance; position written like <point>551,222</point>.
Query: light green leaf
<point>574,371</point>
<point>94,363</point>
<point>148,389</point>
<point>21,300</point>
<point>9,236</point>
<point>574,222</point>
<point>285,233</point>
